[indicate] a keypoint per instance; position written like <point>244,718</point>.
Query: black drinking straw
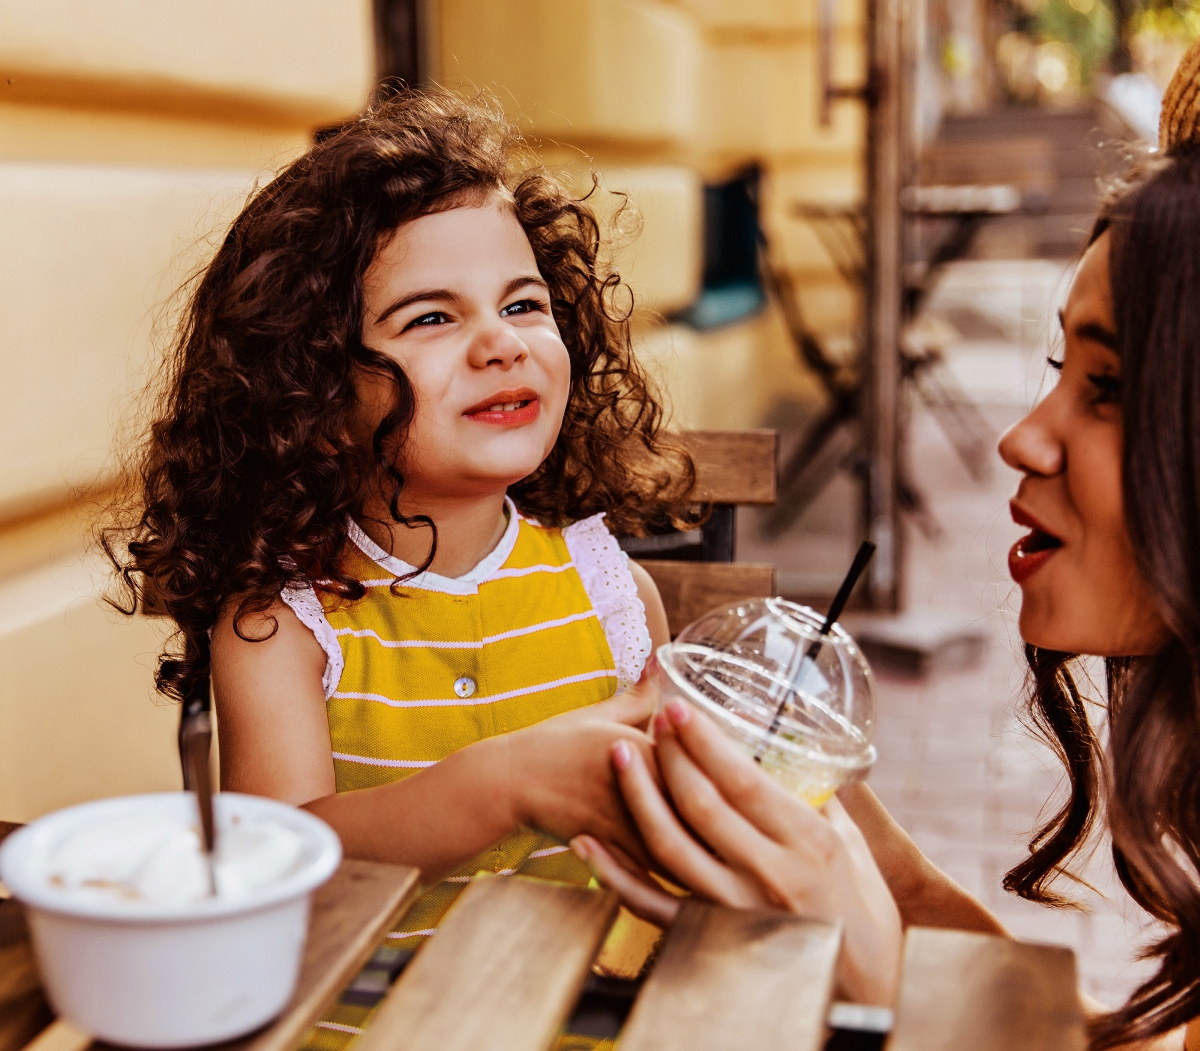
<point>865,550</point>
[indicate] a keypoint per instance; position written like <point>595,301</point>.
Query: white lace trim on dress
<point>604,569</point>
<point>467,584</point>
<point>309,611</point>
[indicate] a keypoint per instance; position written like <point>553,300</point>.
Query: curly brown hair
<point>249,472</point>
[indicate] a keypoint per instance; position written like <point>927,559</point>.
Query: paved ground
<point>956,767</point>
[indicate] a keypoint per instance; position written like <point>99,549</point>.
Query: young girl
<point>402,423</point>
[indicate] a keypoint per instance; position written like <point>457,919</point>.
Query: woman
<point>1110,491</point>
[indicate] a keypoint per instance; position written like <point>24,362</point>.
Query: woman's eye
<point>1107,388</point>
<point>525,306</point>
<point>435,317</point>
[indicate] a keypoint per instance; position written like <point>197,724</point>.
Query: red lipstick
<point>1033,550</point>
<point>506,408</point>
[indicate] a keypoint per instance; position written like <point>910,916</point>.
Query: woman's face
<point>1081,591</point>
<point>456,299</point>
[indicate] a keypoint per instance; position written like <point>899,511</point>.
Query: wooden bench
<point>732,468</point>
<point>1025,163</point>
<point>508,962</point>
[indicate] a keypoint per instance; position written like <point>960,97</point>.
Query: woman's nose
<point>497,344</point>
<point>1030,445</point>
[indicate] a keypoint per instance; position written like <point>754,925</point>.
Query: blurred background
<point>858,219</point>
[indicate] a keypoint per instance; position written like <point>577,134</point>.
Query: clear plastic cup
<point>801,703</point>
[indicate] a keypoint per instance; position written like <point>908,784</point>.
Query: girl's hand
<point>560,777</point>
<point>758,846</point>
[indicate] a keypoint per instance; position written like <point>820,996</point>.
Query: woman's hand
<point>758,846</point>
<point>560,777</point>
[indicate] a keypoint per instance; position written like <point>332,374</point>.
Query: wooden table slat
<point>736,978</point>
<point>960,989</point>
<point>24,1011</point>
<point>351,914</point>
<point>61,1036</point>
<point>503,971</point>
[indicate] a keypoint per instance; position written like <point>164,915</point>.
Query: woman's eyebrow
<point>1094,331</point>
<point>1097,333</point>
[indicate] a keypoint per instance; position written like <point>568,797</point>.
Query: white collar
<point>467,584</point>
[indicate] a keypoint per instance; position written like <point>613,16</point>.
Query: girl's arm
<point>656,613</point>
<point>274,735</point>
<point>274,741</point>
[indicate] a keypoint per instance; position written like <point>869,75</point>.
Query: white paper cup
<point>146,975</point>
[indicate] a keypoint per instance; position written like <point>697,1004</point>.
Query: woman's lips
<point>507,409</point>
<point>1033,550</point>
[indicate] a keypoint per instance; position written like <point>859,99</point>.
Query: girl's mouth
<point>1033,550</point>
<point>507,408</point>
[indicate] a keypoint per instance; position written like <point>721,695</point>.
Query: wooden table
<point>510,960</point>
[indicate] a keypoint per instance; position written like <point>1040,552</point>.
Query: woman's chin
<point>1114,636</point>
<point>1040,630</point>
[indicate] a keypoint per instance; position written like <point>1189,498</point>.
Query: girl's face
<point>455,298</point>
<point>1081,591</point>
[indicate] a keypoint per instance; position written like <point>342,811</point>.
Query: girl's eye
<point>1108,388</point>
<point>434,317</point>
<point>525,306</point>
<point>1057,366</point>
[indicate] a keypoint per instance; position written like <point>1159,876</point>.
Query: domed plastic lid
<point>764,669</point>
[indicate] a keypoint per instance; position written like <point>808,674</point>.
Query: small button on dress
<point>464,687</point>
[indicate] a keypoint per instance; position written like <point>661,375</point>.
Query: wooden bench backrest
<point>1026,163</point>
<point>691,589</point>
<point>732,467</point>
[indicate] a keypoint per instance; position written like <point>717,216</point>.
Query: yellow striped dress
<point>548,622</point>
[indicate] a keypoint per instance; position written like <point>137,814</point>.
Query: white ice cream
<point>149,858</point>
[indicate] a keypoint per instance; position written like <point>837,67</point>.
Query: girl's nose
<point>1031,446</point>
<point>497,344</point>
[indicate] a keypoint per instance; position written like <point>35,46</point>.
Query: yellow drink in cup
<point>801,703</point>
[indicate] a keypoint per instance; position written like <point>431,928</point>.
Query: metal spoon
<point>195,747</point>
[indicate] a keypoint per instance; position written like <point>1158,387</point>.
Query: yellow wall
<point>658,97</point>
<point>130,131</point>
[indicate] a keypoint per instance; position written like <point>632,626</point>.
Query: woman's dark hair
<point>1148,776</point>
<point>249,472</point>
